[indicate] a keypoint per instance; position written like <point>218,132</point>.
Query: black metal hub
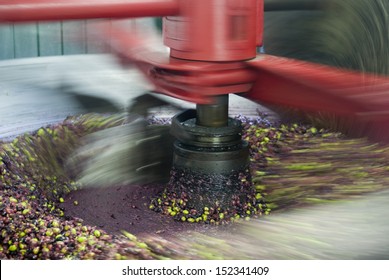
<point>209,150</point>
<point>210,180</point>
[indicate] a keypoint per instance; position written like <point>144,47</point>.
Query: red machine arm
<point>50,10</point>
<point>363,99</point>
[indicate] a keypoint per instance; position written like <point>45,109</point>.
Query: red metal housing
<point>214,30</point>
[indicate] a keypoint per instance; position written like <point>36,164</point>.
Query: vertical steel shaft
<point>213,115</point>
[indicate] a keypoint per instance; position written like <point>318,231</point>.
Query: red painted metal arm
<point>360,97</point>
<point>51,10</point>
<point>313,86</point>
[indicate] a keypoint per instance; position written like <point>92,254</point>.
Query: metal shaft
<point>213,115</point>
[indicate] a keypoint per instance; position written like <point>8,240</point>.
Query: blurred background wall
<point>55,38</point>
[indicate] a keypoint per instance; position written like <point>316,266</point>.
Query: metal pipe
<point>45,10</point>
<point>290,5</point>
<point>213,115</point>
